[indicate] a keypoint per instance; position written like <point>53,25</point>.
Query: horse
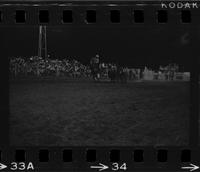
<point>95,71</point>
<point>118,74</point>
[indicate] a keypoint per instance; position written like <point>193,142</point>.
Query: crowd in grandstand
<point>45,67</point>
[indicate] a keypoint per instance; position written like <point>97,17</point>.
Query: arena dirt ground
<point>84,113</point>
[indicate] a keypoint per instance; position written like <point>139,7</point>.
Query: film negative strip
<point>99,85</point>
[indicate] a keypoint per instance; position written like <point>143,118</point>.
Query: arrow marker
<point>100,167</point>
<point>2,166</point>
<point>191,168</point>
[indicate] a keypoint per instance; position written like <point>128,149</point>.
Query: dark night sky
<point>133,46</point>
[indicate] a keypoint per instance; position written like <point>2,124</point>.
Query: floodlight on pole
<point>42,44</point>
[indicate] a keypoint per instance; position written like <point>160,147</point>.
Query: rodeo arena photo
<point>86,88</point>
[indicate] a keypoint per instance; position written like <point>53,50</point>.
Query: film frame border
<point>150,153</point>
<point>102,10</point>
